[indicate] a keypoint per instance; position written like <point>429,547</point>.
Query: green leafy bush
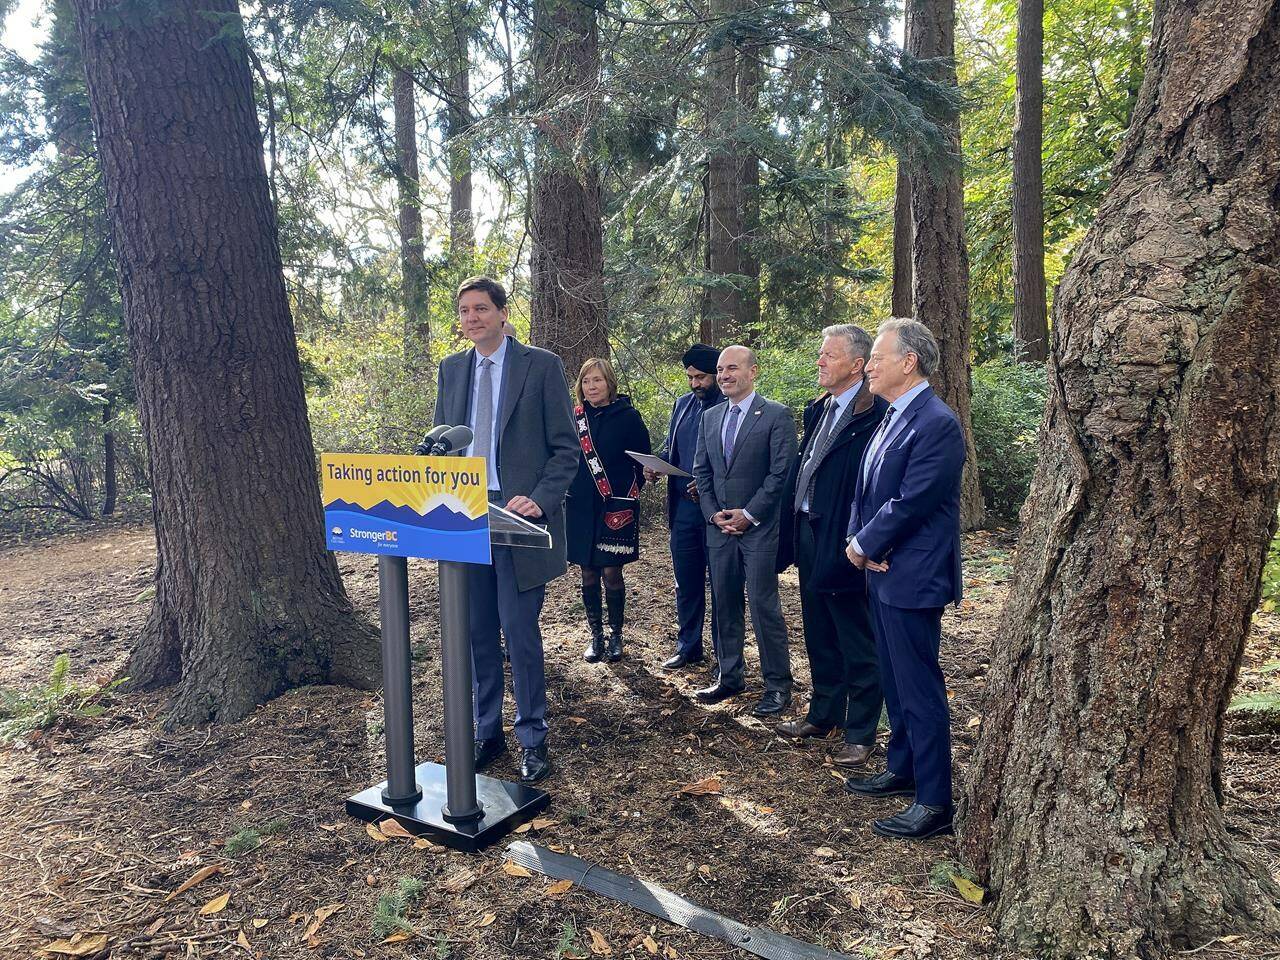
<point>46,705</point>
<point>1008,404</point>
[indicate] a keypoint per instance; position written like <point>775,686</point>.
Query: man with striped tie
<point>833,592</point>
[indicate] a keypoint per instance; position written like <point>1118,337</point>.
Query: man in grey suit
<point>745,449</point>
<point>515,400</point>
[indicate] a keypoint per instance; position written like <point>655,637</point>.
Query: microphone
<point>435,433</point>
<point>455,438</point>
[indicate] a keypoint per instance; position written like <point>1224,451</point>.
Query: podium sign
<point>435,508</point>
<point>431,507</point>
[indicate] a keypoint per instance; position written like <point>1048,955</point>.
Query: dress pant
<point>495,604</point>
<point>748,562</point>
<point>841,648</point>
<point>915,694</point>
<point>689,559</point>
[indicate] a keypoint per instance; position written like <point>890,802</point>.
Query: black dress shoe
<point>488,751</point>
<point>717,693</point>
<point>534,766</point>
<point>772,703</point>
<point>916,822</point>
<point>881,785</point>
<point>680,660</point>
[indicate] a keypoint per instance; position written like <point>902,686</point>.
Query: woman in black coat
<point>603,510</point>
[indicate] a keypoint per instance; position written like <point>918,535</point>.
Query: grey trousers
<point>748,562</point>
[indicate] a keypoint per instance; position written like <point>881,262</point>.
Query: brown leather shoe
<point>801,730</point>
<point>854,755</point>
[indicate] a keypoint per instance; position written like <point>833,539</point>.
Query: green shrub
<point>1271,577</point>
<point>50,703</point>
<point>1008,404</point>
<point>392,907</point>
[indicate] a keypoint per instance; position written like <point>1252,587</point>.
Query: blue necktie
<point>731,435</point>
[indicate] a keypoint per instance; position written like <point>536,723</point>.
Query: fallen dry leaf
<point>670,953</point>
<point>422,843</point>
<point>559,887</point>
<point>855,900</point>
<point>400,936</point>
<point>825,852</point>
<point>523,828</point>
<point>974,722</point>
<point>393,828</point>
<point>599,945</point>
<point>260,922</point>
<point>710,785</point>
<point>200,876</point>
<point>515,870</point>
<point>372,830</point>
<point>487,919</point>
<point>243,941</point>
<point>322,914</point>
<point>216,905</point>
<point>81,945</point>
<point>968,889</point>
<point>650,944</point>
<point>543,823</point>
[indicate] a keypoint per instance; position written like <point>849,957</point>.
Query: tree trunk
<point>939,257</point>
<point>248,602</point>
<point>568,312</point>
<point>462,237</point>
<point>109,472</point>
<point>1093,806</point>
<point>415,285</point>
<point>902,243</point>
<point>723,303</point>
<point>749,77</point>
<point>1030,323</point>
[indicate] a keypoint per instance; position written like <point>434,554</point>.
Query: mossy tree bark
<point>568,312</point>
<point>248,602</point>
<point>939,254</point>
<point>1094,803</point>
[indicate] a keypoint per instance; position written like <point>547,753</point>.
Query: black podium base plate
<point>506,806</point>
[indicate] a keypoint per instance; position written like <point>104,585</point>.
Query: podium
<point>448,802</point>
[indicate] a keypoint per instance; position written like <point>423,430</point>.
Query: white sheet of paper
<point>656,464</point>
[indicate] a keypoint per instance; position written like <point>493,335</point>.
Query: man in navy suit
<point>904,532</point>
<point>684,516</point>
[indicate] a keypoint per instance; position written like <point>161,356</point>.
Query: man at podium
<point>513,397</point>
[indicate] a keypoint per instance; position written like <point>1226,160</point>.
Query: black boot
<point>595,620</point>
<point>617,603</point>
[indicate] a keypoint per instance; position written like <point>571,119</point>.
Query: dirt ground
<point>101,820</point>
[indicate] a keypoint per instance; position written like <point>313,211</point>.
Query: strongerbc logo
<point>336,531</point>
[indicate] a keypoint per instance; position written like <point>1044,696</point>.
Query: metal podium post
<point>449,802</point>
<point>397,681</point>
<point>461,804</point>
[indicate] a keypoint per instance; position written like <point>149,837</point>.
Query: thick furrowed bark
<point>1093,804</point>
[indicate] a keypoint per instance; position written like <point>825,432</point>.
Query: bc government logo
<point>433,507</point>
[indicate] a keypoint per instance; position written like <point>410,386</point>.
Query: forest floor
<point>103,819</point>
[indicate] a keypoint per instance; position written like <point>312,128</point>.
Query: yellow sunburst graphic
<point>419,483</point>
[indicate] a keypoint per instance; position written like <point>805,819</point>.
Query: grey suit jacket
<point>756,480</point>
<point>537,443</point>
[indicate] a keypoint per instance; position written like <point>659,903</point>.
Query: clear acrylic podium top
<point>507,529</point>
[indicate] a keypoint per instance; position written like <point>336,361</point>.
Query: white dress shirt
<point>881,435</point>
<point>744,408</point>
<point>841,404</point>
<point>498,357</point>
